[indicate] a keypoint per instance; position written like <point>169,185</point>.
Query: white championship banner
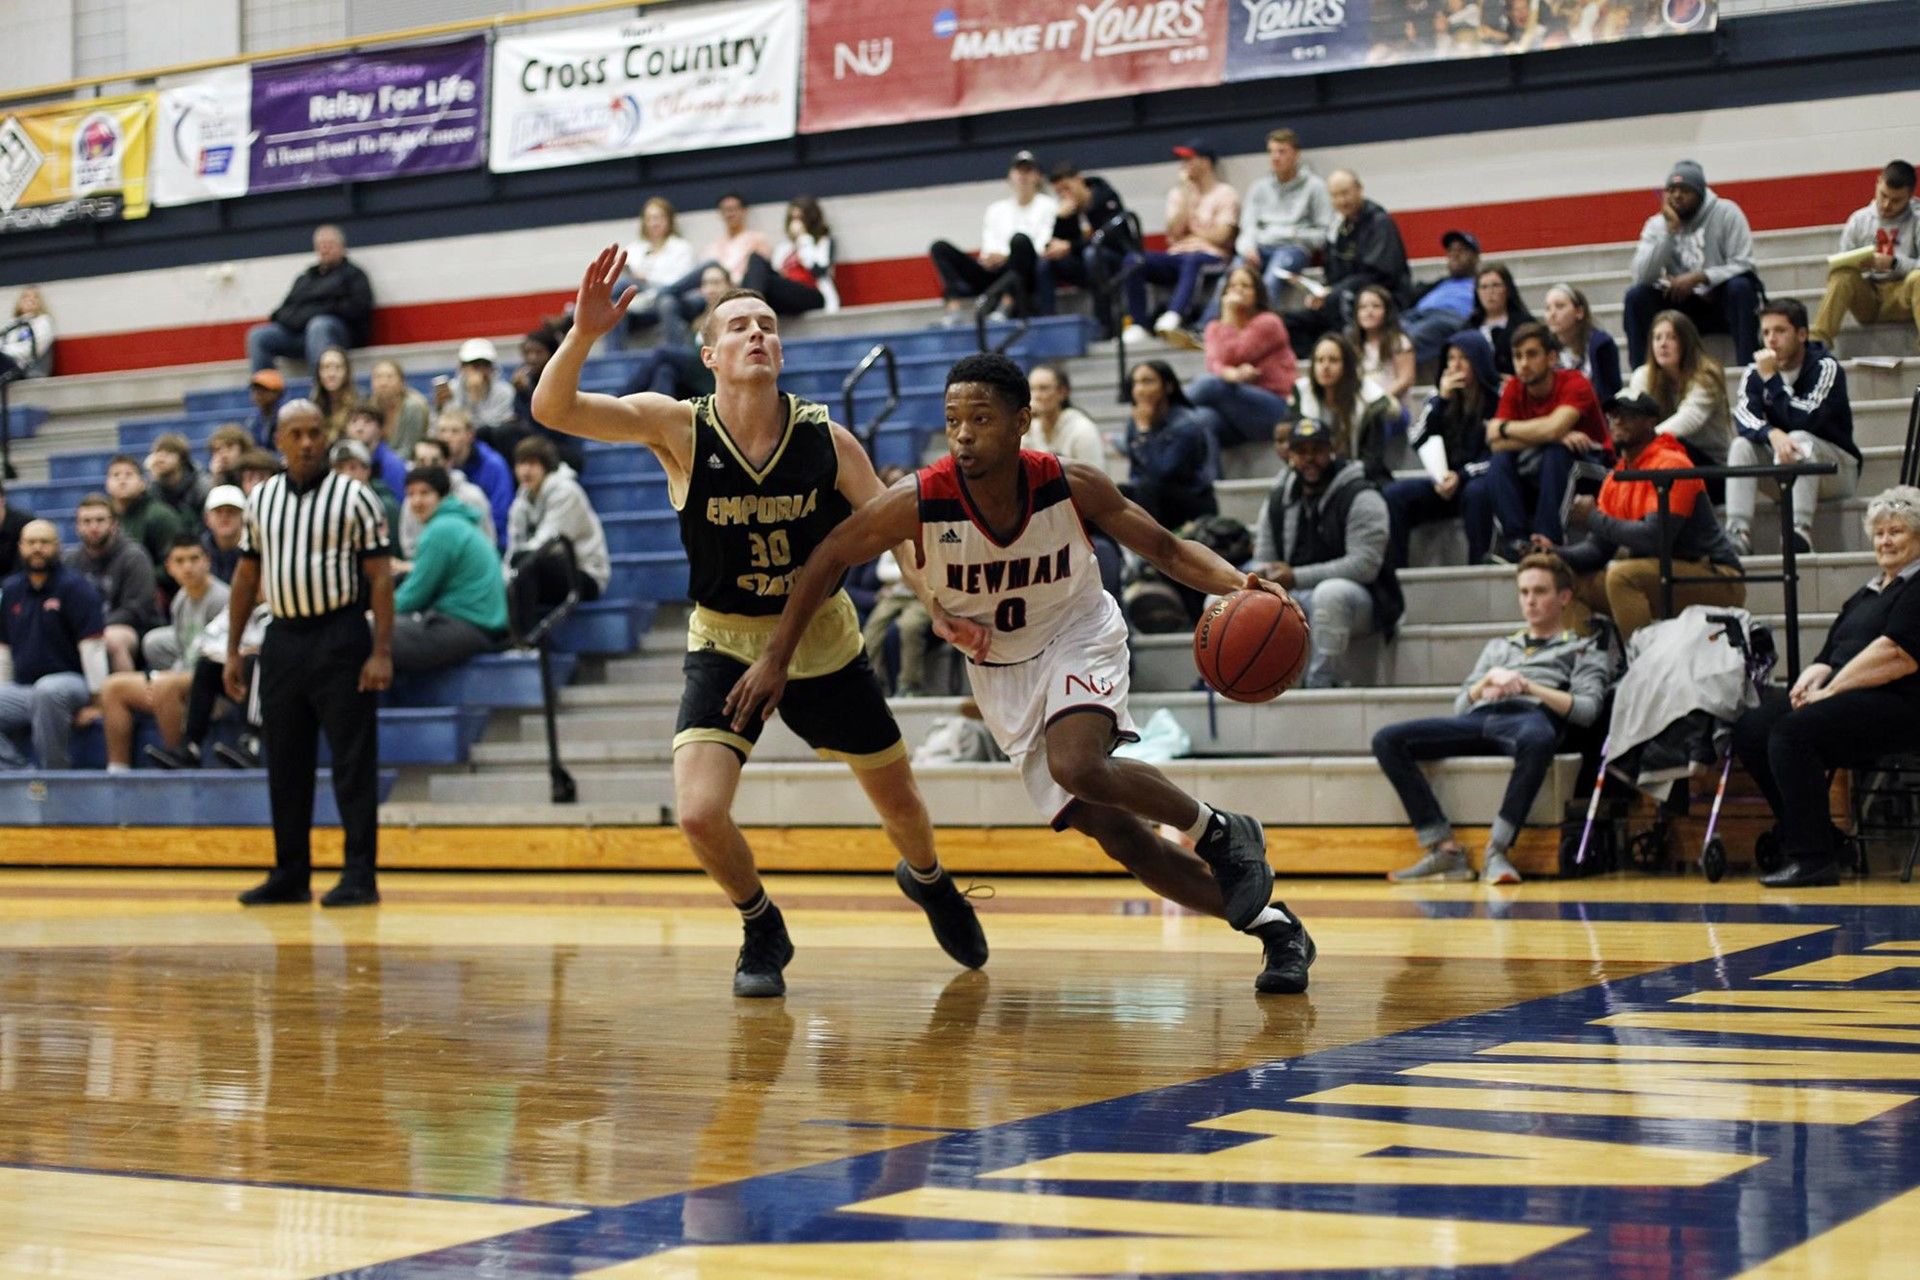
<point>715,76</point>
<point>201,137</point>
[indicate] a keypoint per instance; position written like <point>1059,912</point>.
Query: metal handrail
<point>1663,481</point>
<point>866,434</point>
<point>1006,286</point>
<point>1910,456</point>
<point>7,469</point>
<point>1113,287</point>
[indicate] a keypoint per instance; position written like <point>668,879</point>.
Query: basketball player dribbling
<point>1010,568</point>
<point>758,479</point>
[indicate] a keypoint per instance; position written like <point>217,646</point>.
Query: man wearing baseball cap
<point>225,511</point>
<point>266,390</point>
<point>1202,215</point>
<point>1442,308</point>
<point>487,397</point>
<point>1695,256</point>
<point>1012,233</point>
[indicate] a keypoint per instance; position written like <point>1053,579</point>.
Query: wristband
<point>1503,428</point>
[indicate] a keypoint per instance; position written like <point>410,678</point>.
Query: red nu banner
<point>879,63</point>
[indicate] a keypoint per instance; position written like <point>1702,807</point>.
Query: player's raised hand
<point>595,310</point>
<point>969,637</point>
<point>758,690</point>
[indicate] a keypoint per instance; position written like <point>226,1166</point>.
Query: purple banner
<point>370,116</point>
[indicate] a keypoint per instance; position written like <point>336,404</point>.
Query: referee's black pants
<point>309,682</point>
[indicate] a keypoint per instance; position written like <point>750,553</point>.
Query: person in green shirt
<point>145,521</point>
<point>453,604</point>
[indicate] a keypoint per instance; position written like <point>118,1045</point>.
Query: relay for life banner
<point>678,80</point>
<point>201,137</point>
<point>871,63</point>
<point>384,114</point>
<point>75,162</point>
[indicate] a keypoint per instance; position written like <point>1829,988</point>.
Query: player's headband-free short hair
<point>991,369</point>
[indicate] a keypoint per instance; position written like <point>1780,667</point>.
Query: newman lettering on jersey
<point>757,508</point>
<point>1016,574</point>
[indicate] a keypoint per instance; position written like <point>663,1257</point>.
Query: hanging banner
<point>75,162</point>
<point>1305,37</point>
<point>679,80</point>
<point>871,64</point>
<point>201,137</point>
<point>385,114</point>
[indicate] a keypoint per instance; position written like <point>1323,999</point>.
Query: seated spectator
<point>1689,386</point>
<point>1444,305</point>
<point>898,609</point>
<point>478,392</point>
<point>52,660</point>
<point>1885,287</point>
<point>402,409</point>
<point>536,349</point>
<point>1011,234</point>
<point>452,604</point>
<point>1618,560</point>
<point>256,466</point>
<point>1092,235</point>
<point>1365,249</point>
<point>678,371</point>
<point>1322,534</point>
<point>551,511</point>
<point>1520,697</point>
<point>225,447</point>
<point>170,651</point>
<point>1498,309</point>
<point>354,460</point>
<point>655,262</point>
<point>206,693</point>
<point>1284,219</point>
<point>733,249</point>
<point>1058,427</point>
<point>147,522</point>
<point>1353,408</point>
<point>14,519</point>
<point>800,276</point>
<point>1696,256</point>
<point>121,575</point>
<point>1583,347</point>
<point>369,428</point>
<point>1202,214</point>
<point>1450,439</point>
<point>1857,701</point>
<point>431,452</point>
<point>177,483</point>
<point>1386,353</point>
<point>329,305</point>
<point>1169,444</point>
<point>478,462</point>
<point>333,391</point>
<point>1250,363</point>
<point>1792,408</point>
<point>266,389</point>
<point>226,511</point>
<point>26,341</point>
<point>1547,417</point>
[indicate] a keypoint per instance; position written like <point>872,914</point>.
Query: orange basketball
<point>1251,646</point>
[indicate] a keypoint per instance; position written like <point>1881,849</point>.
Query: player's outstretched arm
<point>860,484</point>
<point>892,518</point>
<point>1182,559</point>
<point>558,401</point>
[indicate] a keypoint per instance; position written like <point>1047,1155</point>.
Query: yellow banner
<point>75,162</point>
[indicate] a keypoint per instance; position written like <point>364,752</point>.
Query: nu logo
<point>1099,686</point>
<point>868,58</point>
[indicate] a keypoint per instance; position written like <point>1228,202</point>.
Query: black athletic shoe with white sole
<point>955,926</point>
<point>1235,850</point>
<point>1290,953</point>
<point>764,952</point>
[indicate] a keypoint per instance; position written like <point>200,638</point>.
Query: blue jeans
<point>265,341</point>
<point>1430,330</point>
<point>47,708</point>
<point>1503,494</point>
<point>663,369</point>
<point>1247,413</point>
<point>1181,270</point>
<point>1414,502</point>
<point>1526,734</point>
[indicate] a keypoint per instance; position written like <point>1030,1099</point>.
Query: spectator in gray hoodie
<point>1885,288</point>
<point>550,507</point>
<point>1695,256</point>
<point>1285,217</point>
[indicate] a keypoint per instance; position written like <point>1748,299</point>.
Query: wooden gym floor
<point>545,1075</point>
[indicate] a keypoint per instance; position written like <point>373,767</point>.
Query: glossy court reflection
<point>545,1076</point>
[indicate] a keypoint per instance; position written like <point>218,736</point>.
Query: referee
<point>317,543</point>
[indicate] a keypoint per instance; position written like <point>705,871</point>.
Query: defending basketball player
<point>759,479</point>
<point>1013,581</point>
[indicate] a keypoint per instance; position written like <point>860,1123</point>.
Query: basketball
<point>1251,646</point>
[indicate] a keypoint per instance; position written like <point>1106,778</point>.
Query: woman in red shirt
<point>1250,363</point>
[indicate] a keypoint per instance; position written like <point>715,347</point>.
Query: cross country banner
<point>870,64</point>
<point>681,79</point>
<point>74,162</point>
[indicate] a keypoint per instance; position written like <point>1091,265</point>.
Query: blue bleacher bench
<point>203,798</point>
<point>492,680</point>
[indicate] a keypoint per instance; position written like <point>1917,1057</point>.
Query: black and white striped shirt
<point>310,542</point>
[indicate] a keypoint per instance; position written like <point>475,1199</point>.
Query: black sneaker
<point>1235,850</point>
<point>763,954</point>
<point>352,893</point>
<point>955,926</point>
<point>277,889</point>
<point>187,757</point>
<point>240,757</point>
<point>1290,953</point>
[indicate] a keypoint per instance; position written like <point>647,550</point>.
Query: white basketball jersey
<point>1025,589</point>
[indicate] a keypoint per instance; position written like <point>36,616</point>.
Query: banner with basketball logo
<point>870,64</point>
<point>203,137</point>
<point>682,79</point>
<point>75,162</point>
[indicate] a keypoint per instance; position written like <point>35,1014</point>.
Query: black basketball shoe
<point>1290,953</point>
<point>764,952</point>
<point>955,926</point>
<point>1235,850</point>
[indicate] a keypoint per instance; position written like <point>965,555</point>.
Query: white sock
<point>1199,827</point>
<point>1272,915</point>
<point>930,876</point>
<point>119,768</point>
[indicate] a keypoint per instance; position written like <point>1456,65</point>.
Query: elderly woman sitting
<point>1860,699</point>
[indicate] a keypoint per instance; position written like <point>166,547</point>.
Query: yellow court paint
<point>1720,1102</point>
<point>1867,1246</point>
<point>1880,1017</point>
<point>1843,969</point>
